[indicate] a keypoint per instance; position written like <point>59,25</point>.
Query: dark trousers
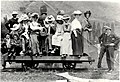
<point>109,56</point>
<point>77,43</point>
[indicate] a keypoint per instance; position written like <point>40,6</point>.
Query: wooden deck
<point>54,59</point>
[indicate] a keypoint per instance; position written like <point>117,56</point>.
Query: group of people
<point>46,34</point>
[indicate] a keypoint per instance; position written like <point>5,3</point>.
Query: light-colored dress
<point>56,38</point>
<point>66,43</point>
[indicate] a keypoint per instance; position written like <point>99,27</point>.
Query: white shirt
<point>35,26</point>
<point>76,24</point>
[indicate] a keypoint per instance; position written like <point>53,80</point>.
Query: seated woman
<point>57,37</point>
<point>66,43</point>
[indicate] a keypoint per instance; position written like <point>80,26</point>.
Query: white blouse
<point>76,24</point>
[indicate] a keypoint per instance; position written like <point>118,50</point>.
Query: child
<point>6,44</point>
<point>15,46</point>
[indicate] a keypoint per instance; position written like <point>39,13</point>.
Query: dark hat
<point>43,9</point>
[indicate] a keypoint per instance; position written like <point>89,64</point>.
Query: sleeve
<point>15,27</point>
<point>36,27</point>
<point>117,40</point>
<point>7,24</point>
<point>100,38</point>
<point>86,25</point>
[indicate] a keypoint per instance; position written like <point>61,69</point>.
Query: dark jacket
<point>9,24</point>
<point>106,40</point>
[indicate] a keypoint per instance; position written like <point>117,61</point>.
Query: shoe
<point>99,67</point>
<point>109,71</point>
<point>63,56</point>
<point>40,55</point>
<point>36,55</point>
<point>53,51</point>
<point>10,54</point>
<point>22,53</point>
<point>79,56</point>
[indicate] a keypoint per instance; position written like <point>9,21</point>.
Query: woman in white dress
<point>66,44</point>
<point>56,38</point>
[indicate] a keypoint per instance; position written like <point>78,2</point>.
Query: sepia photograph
<point>60,41</point>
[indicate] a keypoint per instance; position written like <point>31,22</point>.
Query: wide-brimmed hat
<point>107,27</point>
<point>59,17</point>
<point>50,18</point>
<point>61,12</point>
<point>66,17</point>
<point>77,12</point>
<point>23,17</point>
<point>35,15</point>
<point>14,13</point>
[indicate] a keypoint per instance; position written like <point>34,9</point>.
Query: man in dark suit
<point>108,43</point>
<point>14,20</point>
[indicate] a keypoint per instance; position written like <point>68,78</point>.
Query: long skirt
<point>77,43</point>
<point>66,44</point>
<point>34,43</point>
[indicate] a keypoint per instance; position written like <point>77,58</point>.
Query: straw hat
<point>66,17</point>
<point>23,17</point>
<point>14,13</point>
<point>59,17</point>
<point>35,15</point>
<point>77,12</point>
<point>50,18</point>
<point>61,12</point>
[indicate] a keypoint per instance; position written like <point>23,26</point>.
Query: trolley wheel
<point>69,65</point>
<point>31,65</point>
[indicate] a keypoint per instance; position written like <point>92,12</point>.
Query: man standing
<point>108,43</point>
<point>14,20</point>
<point>43,32</point>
